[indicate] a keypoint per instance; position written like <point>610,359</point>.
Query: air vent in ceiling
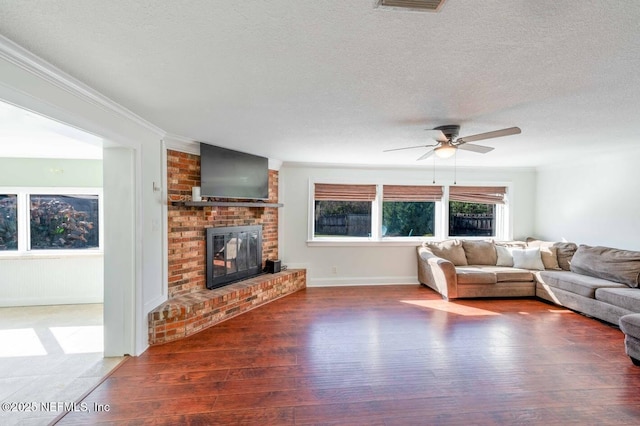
<point>417,5</point>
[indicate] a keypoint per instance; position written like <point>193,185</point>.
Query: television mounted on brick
<point>225,173</point>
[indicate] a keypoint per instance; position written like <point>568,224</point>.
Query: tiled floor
<point>49,356</point>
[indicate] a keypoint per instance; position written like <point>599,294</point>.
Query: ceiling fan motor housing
<point>451,131</point>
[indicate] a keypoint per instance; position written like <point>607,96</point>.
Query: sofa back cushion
<point>565,254</point>
<point>622,266</point>
<point>450,250</point>
<point>480,252</point>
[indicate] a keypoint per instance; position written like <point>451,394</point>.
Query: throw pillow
<point>480,252</point>
<point>528,258</point>
<point>622,266</point>
<point>549,255</point>
<point>563,255</point>
<point>450,250</point>
<point>505,258</point>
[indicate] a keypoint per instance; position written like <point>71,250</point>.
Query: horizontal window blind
<point>478,194</point>
<point>343,192</point>
<point>411,193</point>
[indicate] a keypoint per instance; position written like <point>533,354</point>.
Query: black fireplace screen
<point>233,253</point>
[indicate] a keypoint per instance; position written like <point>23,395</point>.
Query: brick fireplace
<point>191,306</point>
<point>187,249</point>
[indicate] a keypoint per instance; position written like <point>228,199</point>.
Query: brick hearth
<point>190,313</point>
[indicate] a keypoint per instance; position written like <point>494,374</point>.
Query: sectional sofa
<point>601,282</point>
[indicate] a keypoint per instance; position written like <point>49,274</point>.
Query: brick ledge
<point>190,313</point>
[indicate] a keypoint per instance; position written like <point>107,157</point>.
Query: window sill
<point>50,254</point>
<point>369,242</point>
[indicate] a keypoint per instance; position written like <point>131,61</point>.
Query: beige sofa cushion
<point>506,274</point>
<point>505,258</point>
<point>627,298</point>
<point>563,253</point>
<point>480,252</point>
<point>450,250</point>
<point>622,266</point>
<point>582,285</point>
<point>469,275</point>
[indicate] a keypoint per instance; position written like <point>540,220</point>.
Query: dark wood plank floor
<point>381,355</point>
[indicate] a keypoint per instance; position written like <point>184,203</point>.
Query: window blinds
<point>478,194</point>
<point>411,193</point>
<point>340,192</point>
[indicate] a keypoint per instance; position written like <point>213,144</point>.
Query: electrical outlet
<point>334,270</point>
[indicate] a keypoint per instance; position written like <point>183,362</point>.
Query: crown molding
<point>182,144</point>
<point>19,56</point>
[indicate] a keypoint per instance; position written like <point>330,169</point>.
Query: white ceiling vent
<point>416,5</point>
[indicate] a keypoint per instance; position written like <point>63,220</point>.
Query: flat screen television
<point>225,173</point>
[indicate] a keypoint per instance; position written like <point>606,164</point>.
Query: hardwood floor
<point>380,355</point>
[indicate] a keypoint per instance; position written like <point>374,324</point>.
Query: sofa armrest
<point>437,273</point>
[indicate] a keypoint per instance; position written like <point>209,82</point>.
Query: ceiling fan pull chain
<point>455,168</point>
<point>434,169</point>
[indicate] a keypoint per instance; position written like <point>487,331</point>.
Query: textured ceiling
<point>339,81</point>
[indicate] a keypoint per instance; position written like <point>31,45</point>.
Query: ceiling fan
<point>448,141</point>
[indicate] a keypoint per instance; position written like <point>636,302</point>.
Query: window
<point>8,222</point>
<point>347,214</point>
<point>343,210</point>
<point>473,211</point>
<point>63,221</point>
<point>409,210</point>
<point>43,219</point>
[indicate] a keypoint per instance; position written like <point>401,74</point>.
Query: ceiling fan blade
<point>476,148</point>
<point>407,147</point>
<point>489,135</point>
<point>427,155</point>
<point>437,135</point>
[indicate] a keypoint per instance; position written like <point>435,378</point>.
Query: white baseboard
<point>360,281</point>
<point>44,301</point>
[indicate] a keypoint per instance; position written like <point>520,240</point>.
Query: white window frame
<point>24,219</point>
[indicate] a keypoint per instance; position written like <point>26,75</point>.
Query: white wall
<point>592,201</point>
<point>50,172</point>
<point>50,279</point>
<point>380,263</point>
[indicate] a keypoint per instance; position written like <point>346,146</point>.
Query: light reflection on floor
<point>450,307</point>
<point>20,342</point>
<point>50,354</point>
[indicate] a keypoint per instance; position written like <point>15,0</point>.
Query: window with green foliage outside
<point>407,219</point>
<point>409,210</point>
<point>8,222</point>
<point>64,222</point>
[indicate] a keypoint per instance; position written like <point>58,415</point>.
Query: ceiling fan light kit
<point>445,151</point>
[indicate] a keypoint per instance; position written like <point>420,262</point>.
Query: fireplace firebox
<point>233,253</point>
